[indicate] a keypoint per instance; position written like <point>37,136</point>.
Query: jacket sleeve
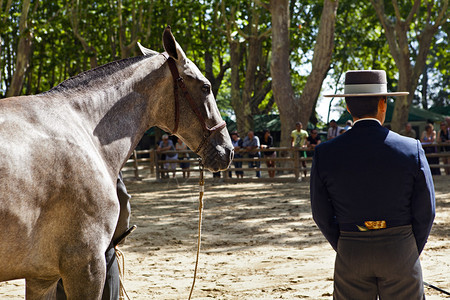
<point>423,206</point>
<point>125,208</point>
<point>321,206</point>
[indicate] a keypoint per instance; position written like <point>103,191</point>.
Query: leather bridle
<point>179,82</point>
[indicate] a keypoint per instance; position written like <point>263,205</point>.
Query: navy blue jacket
<point>371,174</point>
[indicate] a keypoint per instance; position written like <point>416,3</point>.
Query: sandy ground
<point>258,242</point>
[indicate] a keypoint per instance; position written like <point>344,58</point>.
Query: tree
<point>323,51</point>
<point>280,69</point>
<point>1,41</point>
<point>23,52</point>
<point>75,15</point>
<point>207,45</point>
<point>229,40</point>
<point>291,108</point>
<point>409,41</point>
<point>361,47</point>
<point>434,86</point>
<point>248,60</point>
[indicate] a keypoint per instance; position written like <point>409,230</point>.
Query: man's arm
<point>253,144</point>
<point>322,209</point>
<point>257,143</point>
<point>125,208</point>
<point>423,206</point>
<point>329,137</point>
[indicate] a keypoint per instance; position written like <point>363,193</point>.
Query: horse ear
<point>171,46</point>
<point>146,51</point>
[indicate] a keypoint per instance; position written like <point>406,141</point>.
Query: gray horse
<point>61,152</point>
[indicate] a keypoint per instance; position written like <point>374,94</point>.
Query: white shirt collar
<point>365,119</point>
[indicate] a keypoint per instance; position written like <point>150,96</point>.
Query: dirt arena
<point>259,242</point>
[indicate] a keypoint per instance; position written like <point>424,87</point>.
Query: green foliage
<point>438,68</point>
<point>360,42</point>
<point>57,53</point>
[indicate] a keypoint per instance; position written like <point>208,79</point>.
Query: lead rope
<point>201,184</point>
<point>121,262</point>
<point>120,255</point>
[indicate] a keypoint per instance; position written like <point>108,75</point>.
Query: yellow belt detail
<point>372,225</point>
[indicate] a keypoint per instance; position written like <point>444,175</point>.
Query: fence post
<point>296,163</point>
<point>151,154</point>
<point>155,156</point>
<point>135,164</point>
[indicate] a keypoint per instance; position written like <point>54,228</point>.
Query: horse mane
<point>84,78</point>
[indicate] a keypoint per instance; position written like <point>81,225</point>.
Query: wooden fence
<point>290,165</point>
<point>439,153</point>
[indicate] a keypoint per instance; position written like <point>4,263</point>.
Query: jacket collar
<point>368,119</point>
<point>367,122</point>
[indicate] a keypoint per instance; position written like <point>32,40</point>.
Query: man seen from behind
<point>372,196</point>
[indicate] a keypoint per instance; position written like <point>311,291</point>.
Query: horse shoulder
<point>54,185</point>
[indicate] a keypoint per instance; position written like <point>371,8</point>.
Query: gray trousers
<point>383,263</point>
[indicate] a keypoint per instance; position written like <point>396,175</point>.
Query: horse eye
<point>206,88</point>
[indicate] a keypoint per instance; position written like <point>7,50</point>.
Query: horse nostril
<point>231,154</point>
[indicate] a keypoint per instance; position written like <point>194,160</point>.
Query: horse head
<point>189,109</point>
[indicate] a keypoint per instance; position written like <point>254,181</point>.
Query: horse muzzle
<point>217,157</point>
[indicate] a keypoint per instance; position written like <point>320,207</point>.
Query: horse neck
<point>118,114</point>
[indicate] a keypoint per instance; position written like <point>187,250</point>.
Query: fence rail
<point>291,164</point>
<point>288,164</point>
<point>438,155</point>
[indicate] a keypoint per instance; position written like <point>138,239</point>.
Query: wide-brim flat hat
<point>366,83</point>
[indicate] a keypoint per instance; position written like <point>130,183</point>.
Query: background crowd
<point>255,147</point>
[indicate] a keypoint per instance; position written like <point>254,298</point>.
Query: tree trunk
<point>75,21</point>
<point>242,100</point>
<point>125,50</point>
<point>399,46</point>
<point>216,81</point>
<point>236,103</point>
<point>23,53</point>
<point>283,92</point>
<point>291,109</point>
<point>323,51</point>
<point>253,57</point>
<point>1,67</point>
<point>425,88</point>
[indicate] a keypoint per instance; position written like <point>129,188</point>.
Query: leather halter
<point>179,82</point>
